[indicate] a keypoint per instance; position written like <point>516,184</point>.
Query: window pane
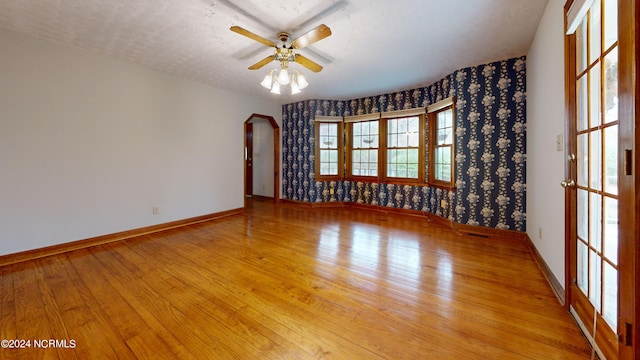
<point>610,296</point>
<point>414,124</point>
<point>595,221</point>
<point>357,129</point>
<point>401,156</point>
<point>443,155</point>
<point>373,125</point>
<point>414,139</point>
<point>357,141</point>
<point>323,129</point>
<point>444,129</point>
<point>355,156</point>
<point>581,46</point>
<point>402,126</point>
<point>611,229</point>
<point>364,162</point>
<point>365,135</point>
<point>373,141</point>
<point>402,140</point>
<point>373,156</point>
<point>446,173</point>
<point>611,160</point>
<point>583,267</point>
<point>583,160</point>
<point>594,32</point>
<point>595,161</point>
<point>328,136</point>
<point>333,156</point>
<point>328,162</point>
<point>443,163</point>
<point>582,93</point>
<point>333,129</point>
<point>413,156</point>
<point>373,169</point>
<point>595,279</point>
<point>583,215</point>
<point>400,163</point>
<point>594,100</point>
<point>392,126</point>
<point>392,140</point>
<point>611,86</point>
<point>610,23</point>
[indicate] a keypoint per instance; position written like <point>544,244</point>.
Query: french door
<point>597,164</point>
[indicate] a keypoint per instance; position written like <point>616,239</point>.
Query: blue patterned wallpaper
<point>490,148</point>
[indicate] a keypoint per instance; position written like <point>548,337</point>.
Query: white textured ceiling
<point>377,46</point>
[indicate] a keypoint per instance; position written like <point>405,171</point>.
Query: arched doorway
<point>249,160</point>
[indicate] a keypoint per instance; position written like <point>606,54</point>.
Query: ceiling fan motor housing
<point>283,36</point>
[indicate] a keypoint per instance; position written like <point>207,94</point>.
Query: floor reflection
<point>445,275</point>
<point>329,244</point>
<point>404,260</point>
<point>365,248</point>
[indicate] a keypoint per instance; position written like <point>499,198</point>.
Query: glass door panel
<point>596,167</point>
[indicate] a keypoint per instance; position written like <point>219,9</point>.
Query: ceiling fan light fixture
<point>284,53</point>
<point>294,88</point>
<point>268,80</point>
<point>301,80</point>
<point>276,88</point>
<point>283,78</point>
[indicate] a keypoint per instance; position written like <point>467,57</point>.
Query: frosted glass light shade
<point>276,88</point>
<point>294,88</point>
<point>302,82</point>
<point>283,78</point>
<point>268,80</point>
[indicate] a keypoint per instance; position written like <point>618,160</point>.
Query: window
<point>391,146</point>
<point>329,151</point>
<point>441,150</point>
<point>388,149</point>
<point>404,148</point>
<point>364,143</point>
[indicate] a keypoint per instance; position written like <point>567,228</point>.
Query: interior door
<point>594,170</point>
<point>248,157</point>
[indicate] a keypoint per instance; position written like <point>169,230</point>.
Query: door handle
<point>569,183</point>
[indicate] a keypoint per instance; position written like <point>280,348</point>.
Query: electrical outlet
<point>155,210</point>
<point>539,232</point>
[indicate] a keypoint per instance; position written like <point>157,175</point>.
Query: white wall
<point>89,144</point>
<point>262,157</point>
<point>545,120</point>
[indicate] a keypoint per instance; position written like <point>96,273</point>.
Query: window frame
<point>433,111</point>
<point>383,149</point>
<point>349,152</point>
<point>340,149</point>
<point>421,150</point>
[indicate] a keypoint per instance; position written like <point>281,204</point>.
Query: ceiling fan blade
<point>309,64</point>
<point>262,62</point>
<point>252,36</point>
<point>317,34</point>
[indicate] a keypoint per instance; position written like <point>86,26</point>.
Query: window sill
<point>448,187</point>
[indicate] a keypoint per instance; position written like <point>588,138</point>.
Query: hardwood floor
<point>290,282</point>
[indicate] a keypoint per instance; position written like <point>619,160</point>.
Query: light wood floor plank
<point>7,312</point>
<point>31,315</point>
<point>290,282</point>
<point>156,309</point>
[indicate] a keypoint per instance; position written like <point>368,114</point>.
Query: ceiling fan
<point>285,54</point>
